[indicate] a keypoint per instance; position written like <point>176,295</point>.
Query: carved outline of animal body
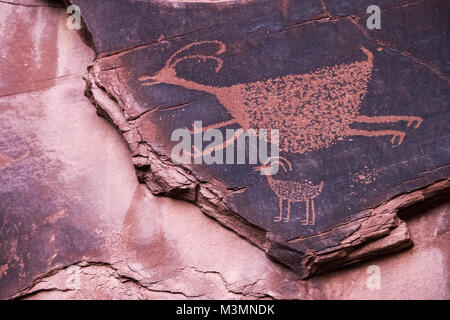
<point>312,111</point>
<point>291,191</point>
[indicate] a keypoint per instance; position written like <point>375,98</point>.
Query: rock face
<point>74,221</point>
<point>76,224</point>
<point>357,129</point>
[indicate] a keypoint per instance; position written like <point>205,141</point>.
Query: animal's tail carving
<point>368,54</point>
<point>320,187</point>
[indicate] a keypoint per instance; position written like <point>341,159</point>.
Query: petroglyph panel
<point>361,121</point>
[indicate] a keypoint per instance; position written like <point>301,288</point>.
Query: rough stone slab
<point>372,112</point>
<point>71,208</point>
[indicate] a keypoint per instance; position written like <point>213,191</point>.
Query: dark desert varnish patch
<point>358,122</point>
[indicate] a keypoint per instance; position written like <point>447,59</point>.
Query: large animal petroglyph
<point>312,111</point>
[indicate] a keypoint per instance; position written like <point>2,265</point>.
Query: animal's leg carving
<point>280,205</point>
<point>199,153</point>
<point>288,212</point>
<point>213,126</point>
<point>313,220</point>
<point>306,222</point>
<point>389,119</point>
<point>395,134</point>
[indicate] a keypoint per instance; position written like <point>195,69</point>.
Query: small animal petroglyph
<point>292,191</point>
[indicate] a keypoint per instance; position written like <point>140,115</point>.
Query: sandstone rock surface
<point>359,112</point>
<point>75,223</point>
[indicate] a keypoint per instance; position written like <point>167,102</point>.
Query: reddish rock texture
<point>340,115</point>
<point>76,224</point>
